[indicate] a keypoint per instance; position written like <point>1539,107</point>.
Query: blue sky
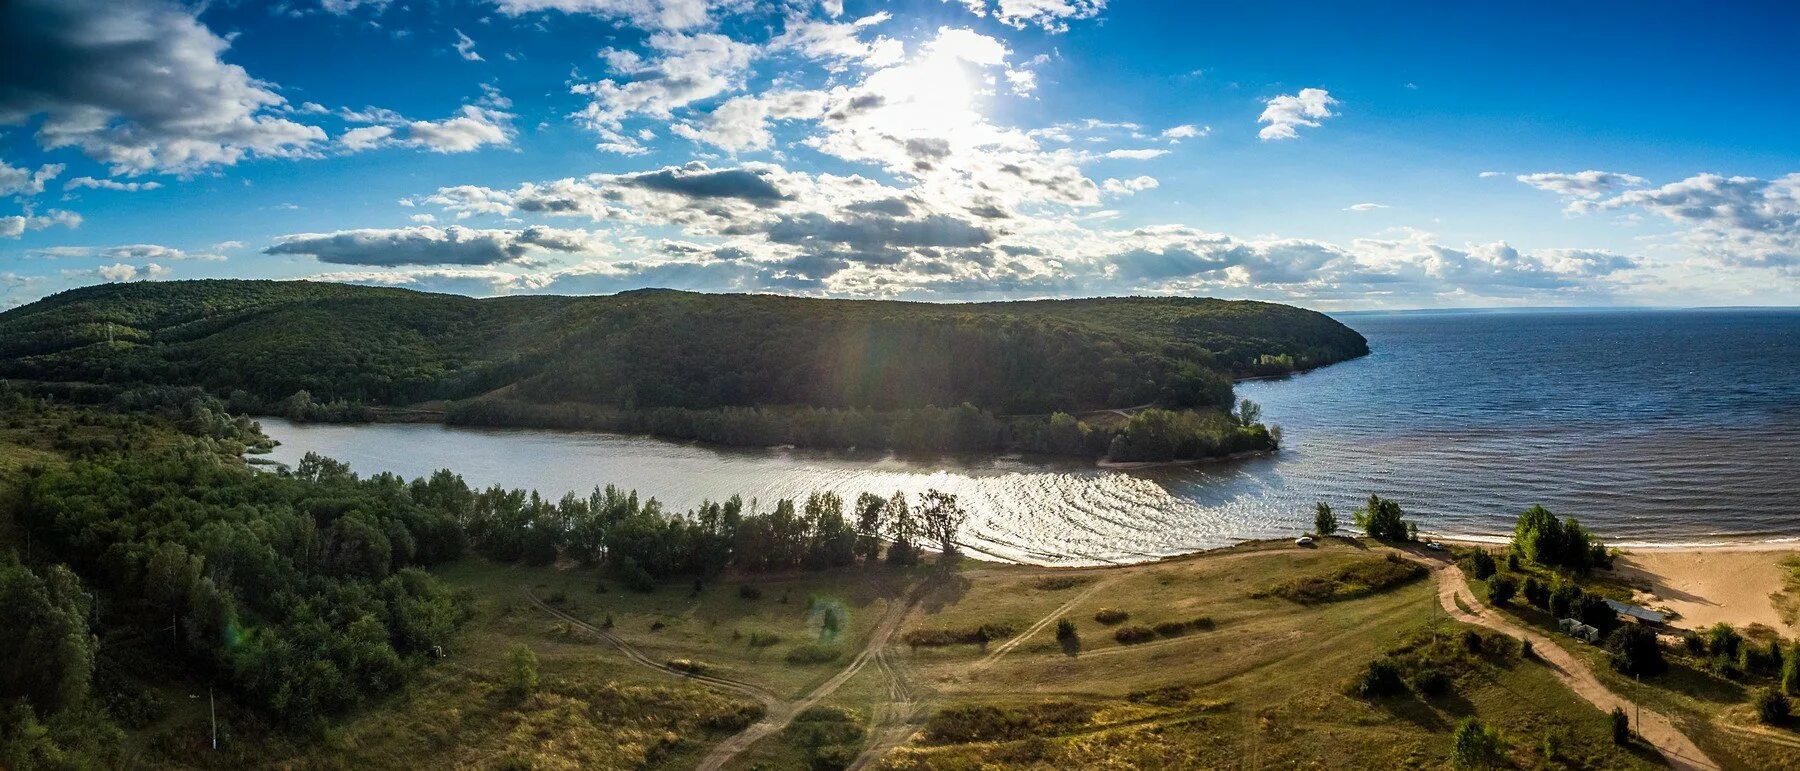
<point>1333,155</point>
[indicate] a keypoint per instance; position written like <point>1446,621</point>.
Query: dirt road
<point>1655,728</point>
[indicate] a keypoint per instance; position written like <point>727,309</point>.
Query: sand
<point>1707,585</point>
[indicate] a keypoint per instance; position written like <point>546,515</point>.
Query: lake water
<point>1652,427</point>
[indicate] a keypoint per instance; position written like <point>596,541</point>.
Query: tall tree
<point>870,524</point>
<point>942,518</point>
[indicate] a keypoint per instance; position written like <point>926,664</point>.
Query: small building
<point>1643,615</point>
<point>1586,634</point>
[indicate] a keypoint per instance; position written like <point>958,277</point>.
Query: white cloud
<point>15,225</point>
<point>1129,186</point>
<point>1050,15</point>
<point>648,14</point>
<point>1138,154</point>
<point>839,44</point>
<point>473,127</point>
<point>1365,206</point>
<point>686,69</point>
<point>1185,131</point>
<point>465,47</point>
<point>1740,221</point>
<point>427,245</point>
<point>156,252</point>
<point>138,85</point>
<point>109,184</point>
<point>23,182</point>
<point>1286,112</point>
<point>1590,184</point>
<point>742,123</point>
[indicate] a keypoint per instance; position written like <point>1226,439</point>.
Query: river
<point>1652,427</point>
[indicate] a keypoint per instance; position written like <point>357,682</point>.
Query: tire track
<point>637,656</point>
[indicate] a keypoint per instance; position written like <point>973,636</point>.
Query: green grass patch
<point>1357,579</point>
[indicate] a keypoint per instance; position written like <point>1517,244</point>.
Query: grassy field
<point>1266,679</point>
<point>1713,709</point>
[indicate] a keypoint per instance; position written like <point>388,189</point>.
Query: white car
<point>1434,546</point>
<point>1305,540</point>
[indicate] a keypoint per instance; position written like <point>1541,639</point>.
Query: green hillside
<point>666,362</point>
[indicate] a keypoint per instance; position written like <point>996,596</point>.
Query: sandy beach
<point>1707,585</point>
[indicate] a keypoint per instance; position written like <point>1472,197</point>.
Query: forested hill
<point>659,348</point>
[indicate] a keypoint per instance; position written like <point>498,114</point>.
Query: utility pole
<point>212,707</point>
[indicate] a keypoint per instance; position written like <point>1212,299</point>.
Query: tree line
<point>306,591</point>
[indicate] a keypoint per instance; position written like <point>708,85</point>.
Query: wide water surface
<point>1656,427</point>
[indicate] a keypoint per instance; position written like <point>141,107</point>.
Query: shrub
<point>935,638</point>
<point>1481,564</point>
<point>1722,640</point>
<point>1381,678</point>
<point>1621,727</point>
<point>689,666</point>
<point>1059,583</point>
<point>1065,629</point>
<point>1693,642</point>
<point>749,592</point>
<point>1132,635</point>
<point>524,665</point>
<point>1536,592</point>
<point>985,723</point>
<point>1525,650</point>
<point>764,639</point>
<point>813,653</point>
<point>1790,671</point>
<point>1475,745</point>
<point>1772,708</point>
<point>1358,579</point>
<point>1471,641</point>
<point>1433,683</point>
<point>634,576</point>
<point>1110,616</point>
<point>1501,588</point>
<point>1635,651</point>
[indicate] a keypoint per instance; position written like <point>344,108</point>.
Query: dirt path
<point>1655,728</point>
<point>1007,647</point>
<point>896,719</point>
<point>779,716</point>
<point>637,656</point>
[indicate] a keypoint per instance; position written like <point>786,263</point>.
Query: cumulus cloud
<point>685,69</point>
<point>427,245</point>
<point>1129,186</point>
<point>485,123</point>
<point>24,182</point>
<point>1287,112</point>
<point>138,85</point>
<point>839,44</point>
<point>1185,131</point>
<point>1743,221</point>
<point>1138,154</point>
<point>1588,185</point>
<point>15,225</point>
<point>1049,15</point>
<point>465,47</point>
<point>742,123</point>
<point>109,184</point>
<point>648,14</point>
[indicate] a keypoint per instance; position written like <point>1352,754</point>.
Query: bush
<point>988,723</point>
<point>1501,588</point>
<point>1693,642</point>
<point>1132,635</point>
<point>1722,640</point>
<point>634,576</point>
<point>1481,564</point>
<point>1772,708</point>
<point>1432,684</point>
<point>1058,583</point>
<point>1621,727</point>
<point>1358,579</point>
<point>1536,592</point>
<point>1475,745</point>
<point>1381,678</point>
<point>813,653</point>
<point>524,664</point>
<point>1110,616</point>
<point>937,638</point>
<point>749,592</point>
<point>764,639</point>
<point>1065,629</point>
<point>1635,651</point>
<point>1471,641</point>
